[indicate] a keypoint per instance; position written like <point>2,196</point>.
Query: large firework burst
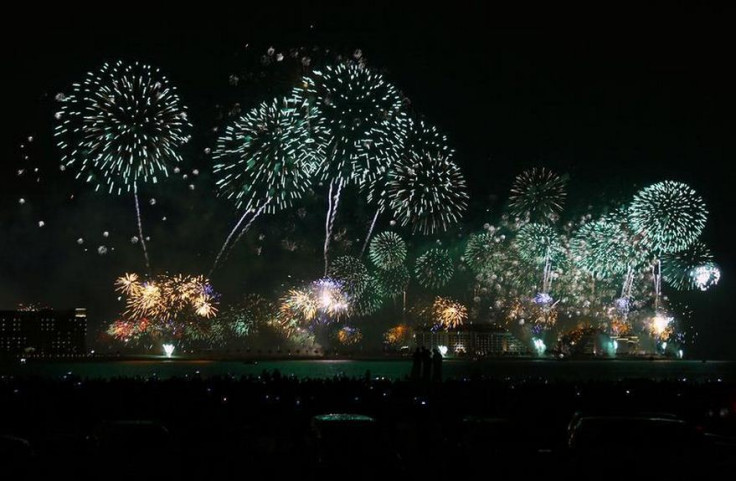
<point>298,304</point>
<point>705,276</point>
<point>363,117</point>
<point>322,302</point>
<point>265,160</point>
<point>122,127</point>
<point>537,195</point>
<point>671,215</point>
<point>387,250</point>
<point>427,191</point>
<point>268,156</point>
<point>421,137</point>
<point>434,268</point>
<point>364,124</point>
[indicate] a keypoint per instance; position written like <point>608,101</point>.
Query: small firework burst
<point>448,313</point>
<point>434,268</point>
<point>537,195</point>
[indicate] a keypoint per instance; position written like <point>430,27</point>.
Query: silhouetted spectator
<point>426,364</point>
<point>436,365</point>
<point>416,365</point>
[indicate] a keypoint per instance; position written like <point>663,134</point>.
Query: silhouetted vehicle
<point>129,444</point>
<point>642,444</point>
<point>352,442</point>
<point>15,449</point>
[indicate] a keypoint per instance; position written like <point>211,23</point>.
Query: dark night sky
<point>647,96</point>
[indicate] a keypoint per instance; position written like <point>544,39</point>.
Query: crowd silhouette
<point>214,426</point>
<point>426,365</point>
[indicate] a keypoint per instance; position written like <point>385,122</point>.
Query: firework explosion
<point>363,117</point>
<point>669,214</point>
<point>421,138</point>
<point>679,268</point>
<point>537,243</point>
<point>248,316</point>
<point>298,302</point>
<point>163,305</point>
<point>484,252</point>
<point>537,195</point>
<point>434,268</point>
<point>351,273</point>
<point>324,301</point>
<point>122,125</point>
<point>267,156</point>
<point>706,276</point>
<point>349,336</point>
<point>364,124</point>
<point>427,192</point>
<point>397,336</point>
<point>265,159</point>
<point>370,300</point>
<point>449,314</point>
<point>394,282</point>
<point>602,249</point>
<point>661,326</point>
<point>540,244</point>
<point>121,128</point>
<point>387,251</point>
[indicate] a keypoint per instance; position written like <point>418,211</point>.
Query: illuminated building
<point>46,333</point>
<point>473,339</point>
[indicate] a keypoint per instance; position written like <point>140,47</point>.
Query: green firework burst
<point>671,215</point>
<point>387,250</point>
<point>268,155</point>
<point>434,268</point>
<point>121,126</point>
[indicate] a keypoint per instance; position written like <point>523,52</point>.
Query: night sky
<point>616,107</point>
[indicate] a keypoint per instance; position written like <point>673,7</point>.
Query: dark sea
<point>604,370</point>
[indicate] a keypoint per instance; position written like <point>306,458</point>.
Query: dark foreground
<point>269,427</point>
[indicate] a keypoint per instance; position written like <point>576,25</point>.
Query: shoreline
<point>338,358</point>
